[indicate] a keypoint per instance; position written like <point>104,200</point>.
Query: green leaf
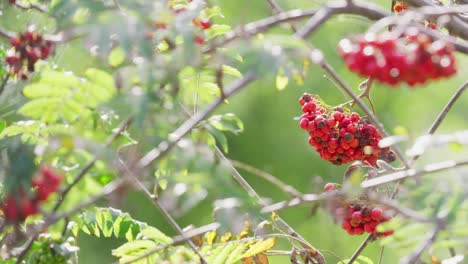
<point>102,79</point>
<point>220,138</point>
<point>231,71</point>
<point>455,147</point>
<point>210,12</point>
<point>221,256</point>
<point>236,252</point>
<point>116,57</point>
<point>133,247</point>
<point>259,247</point>
<point>227,122</point>
<point>3,125</point>
<point>217,30</point>
<point>108,222</point>
<point>156,235</point>
<point>81,16</point>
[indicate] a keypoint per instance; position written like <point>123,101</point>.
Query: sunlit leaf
<point>116,57</point>
<point>227,122</point>
<point>281,80</point>
<point>259,247</point>
<point>231,71</point>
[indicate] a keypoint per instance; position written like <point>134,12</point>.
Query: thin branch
<point>277,9</point>
<point>288,189</point>
<point>3,225</point>
<point>4,83</point>
<point>338,196</point>
<point>444,112</point>
<point>162,209</point>
<point>6,34</point>
<point>305,198</point>
<point>455,25</point>
<point>27,246</point>
<point>165,146</point>
<point>375,198</point>
<point>408,21</point>
<point>381,254</point>
<point>91,163</point>
<point>359,250</point>
<point>428,169</point>
<point>414,257</point>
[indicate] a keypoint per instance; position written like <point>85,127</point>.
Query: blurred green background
<point>272,140</point>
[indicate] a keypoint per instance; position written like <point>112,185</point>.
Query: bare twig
<point>414,257</point>
<point>455,25</point>
<point>7,34</point>
<point>397,176</point>
<point>91,163</point>
<point>288,189</point>
<point>445,111</point>
<point>373,197</point>
<point>4,82</point>
<point>305,198</point>
<point>25,248</point>
<point>400,210</point>
<point>3,225</point>
<point>359,250</point>
<point>381,254</point>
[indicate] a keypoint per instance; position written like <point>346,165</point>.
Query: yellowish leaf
<point>259,247</point>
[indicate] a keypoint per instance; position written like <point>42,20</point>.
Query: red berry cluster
<point>388,58</point>
<point>357,219</point>
<point>203,24</point>
<point>17,207</point>
<point>338,136</point>
<point>29,47</point>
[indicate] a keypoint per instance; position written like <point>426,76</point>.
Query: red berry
<point>304,123</point>
<point>376,213</point>
<point>338,116</point>
<point>309,107</point>
<point>205,24</point>
<point>199,40</point>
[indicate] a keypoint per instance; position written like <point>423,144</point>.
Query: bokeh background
<point>272,140</point>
